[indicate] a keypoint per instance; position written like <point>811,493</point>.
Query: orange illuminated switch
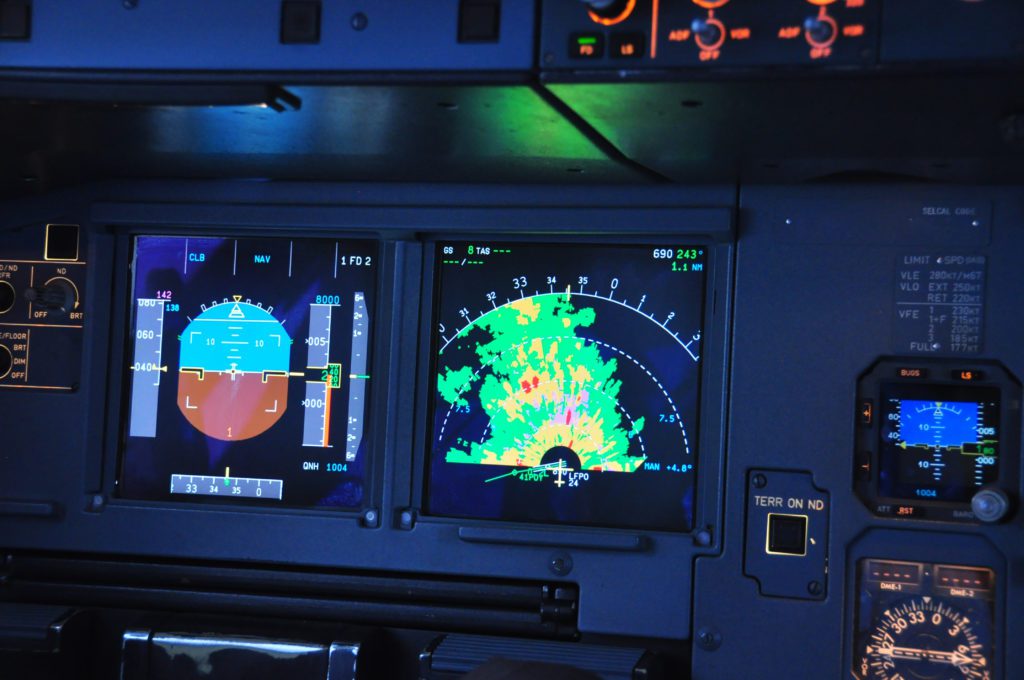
<point>586,46</point>
<point>866,412</point>
<point>968,376</point>
<point>853,30</point>
<point>627,45</point>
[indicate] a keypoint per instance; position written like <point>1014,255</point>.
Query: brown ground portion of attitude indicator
<point>232,407</point>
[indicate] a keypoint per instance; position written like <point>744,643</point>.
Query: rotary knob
<point>990,505</point>
<point>6,361</point>
<point>708,33</point>
<point>820,30</point>
<point>57,295</point>
<point>7,297</point>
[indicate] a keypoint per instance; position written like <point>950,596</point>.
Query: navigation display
<point>938,443</point>
<point>566,383</point>
<point>249,370</point>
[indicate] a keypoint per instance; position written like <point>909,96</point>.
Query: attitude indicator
<point>938,449</point>
<point>233,381</point>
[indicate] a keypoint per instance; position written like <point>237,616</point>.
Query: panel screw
<point>406,519</point>
<point>702,537</point>
<point>560,564</point>
<point>759,481</point>
<point>370,518</point>
<point>360,21</point>
<point>709,639</point>
<point>96,502</point>
<point>815,588</point>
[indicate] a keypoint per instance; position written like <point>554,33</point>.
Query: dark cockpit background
<point>650,338</point>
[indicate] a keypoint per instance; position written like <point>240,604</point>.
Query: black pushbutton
<point>61,242</point>
<point>787,534</point>
<point>6,361</point>
<point>586,46</point>
<point>626,45</point>
<point>479,21</point>
<point>300,22</point>
<point>15,19</point>
<point>7,296</point>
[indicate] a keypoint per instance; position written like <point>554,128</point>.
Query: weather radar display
<point>249,370</point>
<point>566,383</point>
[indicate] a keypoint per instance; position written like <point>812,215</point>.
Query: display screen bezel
<point>929,374</point>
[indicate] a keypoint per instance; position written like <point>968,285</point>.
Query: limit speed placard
<point>566,383</point>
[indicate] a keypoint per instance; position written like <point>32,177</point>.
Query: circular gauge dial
<point>924,638</point>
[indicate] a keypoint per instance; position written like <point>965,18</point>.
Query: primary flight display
<point>566,383</point>
<point>938,443</point>
<point>249,370</point>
